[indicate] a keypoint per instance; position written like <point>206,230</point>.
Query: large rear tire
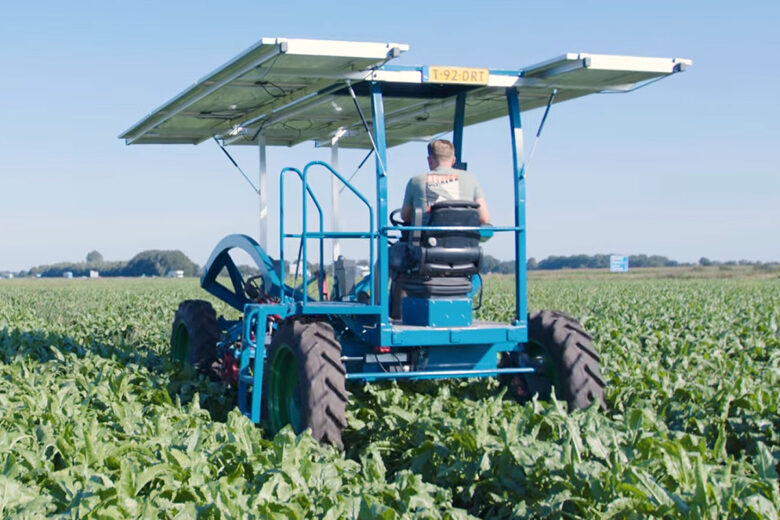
<point>194,335</point>
<point>567,359</point>
<point>305,381</point>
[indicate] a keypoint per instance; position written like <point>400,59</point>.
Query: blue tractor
<point>297,346</point>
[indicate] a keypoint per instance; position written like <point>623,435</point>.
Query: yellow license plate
<point>443,74</point>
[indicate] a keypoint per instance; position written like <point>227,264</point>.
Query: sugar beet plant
<point>95,422</point>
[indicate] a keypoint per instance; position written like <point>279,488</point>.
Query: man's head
<point>441,153</point>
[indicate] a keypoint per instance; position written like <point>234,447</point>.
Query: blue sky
<point>687,167</point>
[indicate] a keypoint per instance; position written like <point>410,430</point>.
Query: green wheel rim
<point>284,405</point>
<point>180,346</point>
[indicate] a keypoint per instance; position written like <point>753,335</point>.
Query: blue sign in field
<point>618,264</point>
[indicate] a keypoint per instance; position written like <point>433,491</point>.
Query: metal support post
<point>518,165</point>
<point>335,198</point>
<point>378,120</point>
<point>263,192</point>
<point>457,129</point>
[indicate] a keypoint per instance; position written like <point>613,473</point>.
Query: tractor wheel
<point>194,336</point>
<point>305,381</point>
<point>569,362</point>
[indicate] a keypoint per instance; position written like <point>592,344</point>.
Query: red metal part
<point>266,298</point>
<point>230,368</point>
<point>324,287</point>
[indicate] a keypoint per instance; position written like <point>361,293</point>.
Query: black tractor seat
<point>441,263</point>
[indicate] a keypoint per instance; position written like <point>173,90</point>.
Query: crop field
<point>95,422</point>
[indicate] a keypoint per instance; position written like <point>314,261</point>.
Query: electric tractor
<point>304,336</point>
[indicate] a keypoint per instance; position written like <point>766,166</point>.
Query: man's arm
<point>484,214</point>
<point>411,192</point>
<point>407,211</point>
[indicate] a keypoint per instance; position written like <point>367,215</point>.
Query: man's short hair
<point>441,150</point>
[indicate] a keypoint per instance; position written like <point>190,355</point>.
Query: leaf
<point>57,354</point>
<point>719,450</point>
<point>762,507</point>
<point>148,475</point>
<point>766,464</point>
<point>13,494</point>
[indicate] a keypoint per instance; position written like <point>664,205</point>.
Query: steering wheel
<point>394,217</point>
<point>252,288</point>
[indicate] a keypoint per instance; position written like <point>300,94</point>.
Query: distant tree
<point>650,261</point>
<point>575,262</point>
<point>531,264</point>
<point>489,264</point>
<point>158,263</point>
<point>704,261</point>
<point>94,257</point>
<point>601,262</point>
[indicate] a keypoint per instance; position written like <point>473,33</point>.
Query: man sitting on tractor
<point>442,183</point>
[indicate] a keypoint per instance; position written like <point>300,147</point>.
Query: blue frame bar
<point>281,223</point>
<point>378,117</point>
<point>451,228</point>
<point>440,374</point>
<point>305,189</point>
<point>521,294</point>
<point>328,234</point>
<point>254,350</point>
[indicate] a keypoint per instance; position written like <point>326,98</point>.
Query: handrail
<point>363,199</point>
<point>322,234</point>
<point>333,234</point>
<point>452,228</point>
<point>306,189</point>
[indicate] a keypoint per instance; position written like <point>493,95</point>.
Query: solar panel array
<point>294,90</point>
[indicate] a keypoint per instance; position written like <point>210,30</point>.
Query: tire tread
<point>322,377</point>
<point>571,350</point>
<point>200,319</point>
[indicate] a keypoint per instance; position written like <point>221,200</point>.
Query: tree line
<point>160,262</point>
<point>152,262</point>
<point>493,265</point>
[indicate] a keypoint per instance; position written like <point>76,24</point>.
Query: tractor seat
<point>440,263</point>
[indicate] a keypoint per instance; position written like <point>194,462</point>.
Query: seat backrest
<point>450,252</point>
<point>454,213</point>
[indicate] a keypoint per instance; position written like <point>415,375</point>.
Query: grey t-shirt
<point>423,191</point>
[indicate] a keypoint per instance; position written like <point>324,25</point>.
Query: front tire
<point>567,359</point>
<point>305,381</point>
<point>195,335</point>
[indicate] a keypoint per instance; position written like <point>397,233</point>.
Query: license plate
<point>468,75</point>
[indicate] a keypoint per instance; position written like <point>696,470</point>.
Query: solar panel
<point>294,90</point>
